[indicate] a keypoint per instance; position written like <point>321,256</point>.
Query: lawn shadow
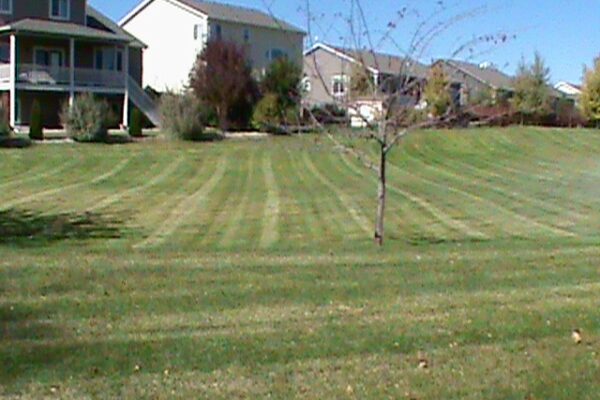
<point>30,228</point>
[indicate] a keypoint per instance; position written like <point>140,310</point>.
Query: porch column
<point>71,71</point>
<point>126,83</point>
<point>13,80</point>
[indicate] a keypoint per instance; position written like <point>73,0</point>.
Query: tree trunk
<point>381,197</point>
<point>223,121</point>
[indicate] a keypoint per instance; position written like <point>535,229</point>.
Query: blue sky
<point>565,32</point>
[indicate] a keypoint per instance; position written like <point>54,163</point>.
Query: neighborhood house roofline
<point>378,60</point>
<point>113,26</point>
<point>62,29</point>
<point>475,76</point>
<point>222,12</point>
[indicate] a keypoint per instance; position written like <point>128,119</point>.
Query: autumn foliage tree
<point>222,79</point>
<point>531,89</point>
<point>437,92</point>
<point>590,96</point>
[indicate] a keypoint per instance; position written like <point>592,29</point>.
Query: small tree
<point>532,90</point>
<point>283,79</point>
<point>36,129</point>
<point>590,96</point>
<point>221,78</point>
<point>361,81</point>
<point>135,126</point>
<point>437,93</point>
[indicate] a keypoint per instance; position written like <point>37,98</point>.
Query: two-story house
<point>176,31</point>
<point>51,50</point>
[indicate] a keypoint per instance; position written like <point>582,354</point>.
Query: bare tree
<point>394,97</point>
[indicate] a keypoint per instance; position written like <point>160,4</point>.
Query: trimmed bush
<point>5,131</point>
<point>182,116</point>
<point>36,129</point>
<point>87,119</point>
<point>266,114</point>
<point>135,125</point>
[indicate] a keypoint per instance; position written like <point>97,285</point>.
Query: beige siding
<point>261,41</point>
<point>320,66</point>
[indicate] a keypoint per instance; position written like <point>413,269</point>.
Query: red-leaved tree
<point>222,79</point>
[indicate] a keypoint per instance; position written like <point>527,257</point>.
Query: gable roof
<point>47,27</point>
<point>227,13</point>
<point>490,75</point>
<point>377,62</point>
<point>98,27</point>
<point>93,14</point>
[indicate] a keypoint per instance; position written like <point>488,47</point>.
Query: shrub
<point>266,114</point>
<point>36,129</point>
<point>135,125</point>
<point>182,116</point>
<point>87,119</point>
<point>5,131</point>
<point>282,79</point>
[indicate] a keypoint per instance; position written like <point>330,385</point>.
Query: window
<point>246,35</point>
<point>49,57</point>
<point>275,54</point>
<point>60,9</point>
<point>199,32</point>
<point>306,85</point>
<point>5,52</point>
<point>339,85</point>
<point>108,58</point>
<point>6,6</point>
<point>216,32</point>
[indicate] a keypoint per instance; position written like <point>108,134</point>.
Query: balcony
<point>60,77</point>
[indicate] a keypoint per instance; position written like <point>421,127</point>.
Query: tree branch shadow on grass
<point>29,228</point>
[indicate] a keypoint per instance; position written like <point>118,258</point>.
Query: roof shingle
<point>240,15</point>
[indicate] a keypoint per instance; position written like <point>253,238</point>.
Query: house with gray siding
<point>52,50</point>
<point>469,80</point>
<point>328,74</point>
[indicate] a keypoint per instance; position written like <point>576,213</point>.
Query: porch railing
<point>4,73</point>
<point>61,76</point>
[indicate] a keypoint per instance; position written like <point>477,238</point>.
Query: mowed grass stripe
<point>311,219</point>
<point>404,219</point>
<point>504,190</point>
<point>233,226</point>
<point>346,201</point>
<point>33,175</point>
<point>225,200</point>
<point>270,228</point>
<point>139,189</point>
<point>466,184</point>
<point>50,192</point>
<point>185,209</point>
<point>438,214</point>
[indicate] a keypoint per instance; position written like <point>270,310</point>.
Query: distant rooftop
<point>485,72</point>
<point>382,62</point>
<point>228,13</point>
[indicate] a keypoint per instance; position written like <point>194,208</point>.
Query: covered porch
<point>58,60</point>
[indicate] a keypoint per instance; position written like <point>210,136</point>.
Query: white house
<point>570,90</point>
<point>175,31</point>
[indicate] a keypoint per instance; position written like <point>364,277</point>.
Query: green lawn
<point>245,269</point>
